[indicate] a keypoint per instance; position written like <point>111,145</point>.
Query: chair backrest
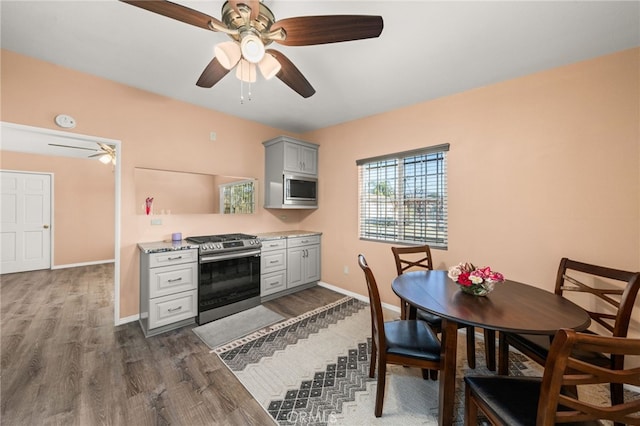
<point>377,318</point>
<point>412,257</point>
<point>561,370</point>
<point>609,300</point>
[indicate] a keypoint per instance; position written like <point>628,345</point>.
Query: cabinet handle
<point>275,283</point>
<point>175,309</point>
<point>273,245</point>
<point>174,258</point>
<point>274,261</point>
<point>305,241</point>
<point>173,280</point>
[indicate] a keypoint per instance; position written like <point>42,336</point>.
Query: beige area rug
<point>313,369</point>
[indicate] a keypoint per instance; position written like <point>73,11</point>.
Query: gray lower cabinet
<point>168,290</point>
<point>303,260</point>
<point>289,265</point>
<point>273,267</point>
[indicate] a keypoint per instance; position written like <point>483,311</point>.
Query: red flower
<point>463,279</point>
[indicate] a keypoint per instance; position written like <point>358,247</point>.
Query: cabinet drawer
<point>172,257</point>
<point>279,244</point>
<point>303,241</point>
<point>273,283</point>
<point>272,261</point>
<point>169,309</point>
<point>173,279</point>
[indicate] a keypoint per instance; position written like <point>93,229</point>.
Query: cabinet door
<point>292,157</point>
<point>295,275</point>
<point>309,160</point>
<point>311,263</point>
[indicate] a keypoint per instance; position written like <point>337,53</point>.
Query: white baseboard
<point>356,296</point>
<point>75,265</point>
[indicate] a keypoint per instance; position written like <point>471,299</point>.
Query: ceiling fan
<point>252,27</point>
<point>106,153</point>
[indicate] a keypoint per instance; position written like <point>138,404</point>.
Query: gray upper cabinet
<point>299,157</point>
<point>298,161</point>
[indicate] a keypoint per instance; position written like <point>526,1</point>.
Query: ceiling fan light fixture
<point>269,67</point>
<point>252,48</point>
<point>228,53</point>
<point>106,159</point>
<point>246,71</point>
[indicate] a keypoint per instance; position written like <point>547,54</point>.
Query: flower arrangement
<point>472,280</point>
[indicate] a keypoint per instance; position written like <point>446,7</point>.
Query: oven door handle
<point>235,255</point>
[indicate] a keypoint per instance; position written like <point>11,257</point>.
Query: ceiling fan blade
<point>212,74</point>
<point>176,11</point>
<point>71,146</point>
<point>106,148</point>
<point>309,30</point>
<point>291,76</point>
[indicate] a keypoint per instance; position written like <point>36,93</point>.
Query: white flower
<point>454,272</point>
<point>475,279</point>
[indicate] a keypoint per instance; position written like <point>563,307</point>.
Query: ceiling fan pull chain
<point>241,85</point>
<point>249,94</point>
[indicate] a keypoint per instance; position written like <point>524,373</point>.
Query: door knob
<point>46,226</point>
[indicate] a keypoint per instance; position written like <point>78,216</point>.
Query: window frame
<point>401,226</point>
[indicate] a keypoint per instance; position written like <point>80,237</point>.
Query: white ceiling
<point>428,49</point>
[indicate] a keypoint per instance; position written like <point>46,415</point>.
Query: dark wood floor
<point>64,362</point>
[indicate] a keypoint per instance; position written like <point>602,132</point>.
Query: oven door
<point>228,283</point>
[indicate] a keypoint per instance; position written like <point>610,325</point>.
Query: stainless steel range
<point>229,274</point>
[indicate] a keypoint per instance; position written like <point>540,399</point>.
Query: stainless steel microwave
<point>300,190</point>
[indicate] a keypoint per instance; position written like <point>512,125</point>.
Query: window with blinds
<point>403,197</point>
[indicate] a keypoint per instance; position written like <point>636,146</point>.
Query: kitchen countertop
<point>285,234</point>
<point>161,246</point>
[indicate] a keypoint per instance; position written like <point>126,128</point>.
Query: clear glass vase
<point>481,289</point>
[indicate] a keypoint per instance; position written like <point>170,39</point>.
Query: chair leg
<point>470,409</point>
<point>382,373</point>
<point>503,355</point>
<point>403,309</point>
<point>617,397</point>
<point>374,354</point>
<point>471,347</point>
<point>490,348</point>
<point>433,374</point>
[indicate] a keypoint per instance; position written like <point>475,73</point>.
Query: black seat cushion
<point>512,399</point>
<point>540,345</point>
<point>413,339</point>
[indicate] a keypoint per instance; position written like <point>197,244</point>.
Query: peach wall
<point>540,167</point>
<point>155,132</point>
<point>83,199</point>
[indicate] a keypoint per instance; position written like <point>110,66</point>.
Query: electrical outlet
<point>346,270</point>
<point>212,136</point>
<point>156,221</point>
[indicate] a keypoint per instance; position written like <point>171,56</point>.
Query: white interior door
<point>25,221</point>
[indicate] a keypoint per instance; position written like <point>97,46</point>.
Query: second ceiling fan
<point>252,27</point>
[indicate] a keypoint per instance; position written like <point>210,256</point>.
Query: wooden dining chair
<point>609,307</point>
<point>419,257</point>
<point>409,343</point>
<point>544,401</point>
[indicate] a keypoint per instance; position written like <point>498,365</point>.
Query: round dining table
<point>511,307</point>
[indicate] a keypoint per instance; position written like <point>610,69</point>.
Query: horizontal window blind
<point>403,197</point>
